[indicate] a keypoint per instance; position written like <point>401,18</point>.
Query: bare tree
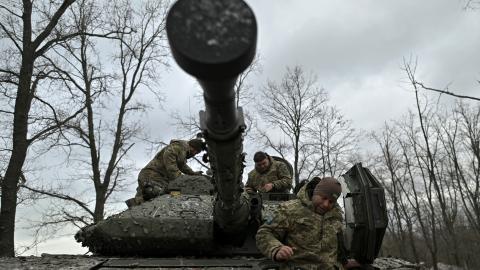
<point>100,139</point>
<point>291,106</point>
<point>388,172</point>
<point>28,43</point>
<point>465,156</point>
<point>447,128</point>
<point>334,141</point>
<point>420,188</point>
<point>443,193</point>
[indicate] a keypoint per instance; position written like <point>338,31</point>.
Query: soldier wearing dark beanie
<point>328,187</point>
<point>318,241</point>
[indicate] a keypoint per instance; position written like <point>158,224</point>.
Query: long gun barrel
<point>215,41</point>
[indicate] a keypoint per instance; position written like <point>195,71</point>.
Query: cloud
<point>357,48</point>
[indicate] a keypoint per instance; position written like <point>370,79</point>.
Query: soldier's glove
<point>151,191</point>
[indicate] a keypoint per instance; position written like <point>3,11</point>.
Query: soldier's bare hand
<point>351,263</point>
<point>284,253</point>
<point>267,187</point>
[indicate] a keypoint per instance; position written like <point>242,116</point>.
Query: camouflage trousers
<point>150,185</point>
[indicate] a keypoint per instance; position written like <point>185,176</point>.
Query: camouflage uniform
<point>277,174</point>
<point>313,236</point>
<point>167,165</point>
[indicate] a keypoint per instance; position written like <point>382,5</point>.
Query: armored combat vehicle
<point>211,218</point>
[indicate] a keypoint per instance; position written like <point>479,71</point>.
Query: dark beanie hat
<point>197,144</point>
<point>259,156</point>
<point>329,187</point>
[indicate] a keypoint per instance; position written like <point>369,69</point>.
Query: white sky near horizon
<point>355,47</point>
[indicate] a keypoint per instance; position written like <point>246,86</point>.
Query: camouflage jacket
<point>277,174</point>
<point>171,161</point>
<point>312,236</point>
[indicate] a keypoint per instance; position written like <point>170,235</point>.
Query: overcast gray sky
<point>356,48</point>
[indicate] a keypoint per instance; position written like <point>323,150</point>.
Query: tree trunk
<point>19,153</point>
<point>411,241</point>
<point>99,205</point>
<point>295,161</point>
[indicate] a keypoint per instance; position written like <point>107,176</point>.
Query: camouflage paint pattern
<point>277,174</point>
<point>167,165</point>
<point>313,236</point>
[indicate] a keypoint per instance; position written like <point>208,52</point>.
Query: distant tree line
<point>430,166</point>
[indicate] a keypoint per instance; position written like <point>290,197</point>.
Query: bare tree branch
<point>51,24</point>
<point>11,37</point>
<point>83,205</point>
<point>10,11</point>
<point>445,92</point>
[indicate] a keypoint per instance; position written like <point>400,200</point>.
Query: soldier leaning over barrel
<point>306,232</point>
<point>269,175</point>
<point>167,165</point>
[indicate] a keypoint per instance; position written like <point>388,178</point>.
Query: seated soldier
<point>269,175</point>
<point>167,165</point>
<point>306,233</point>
